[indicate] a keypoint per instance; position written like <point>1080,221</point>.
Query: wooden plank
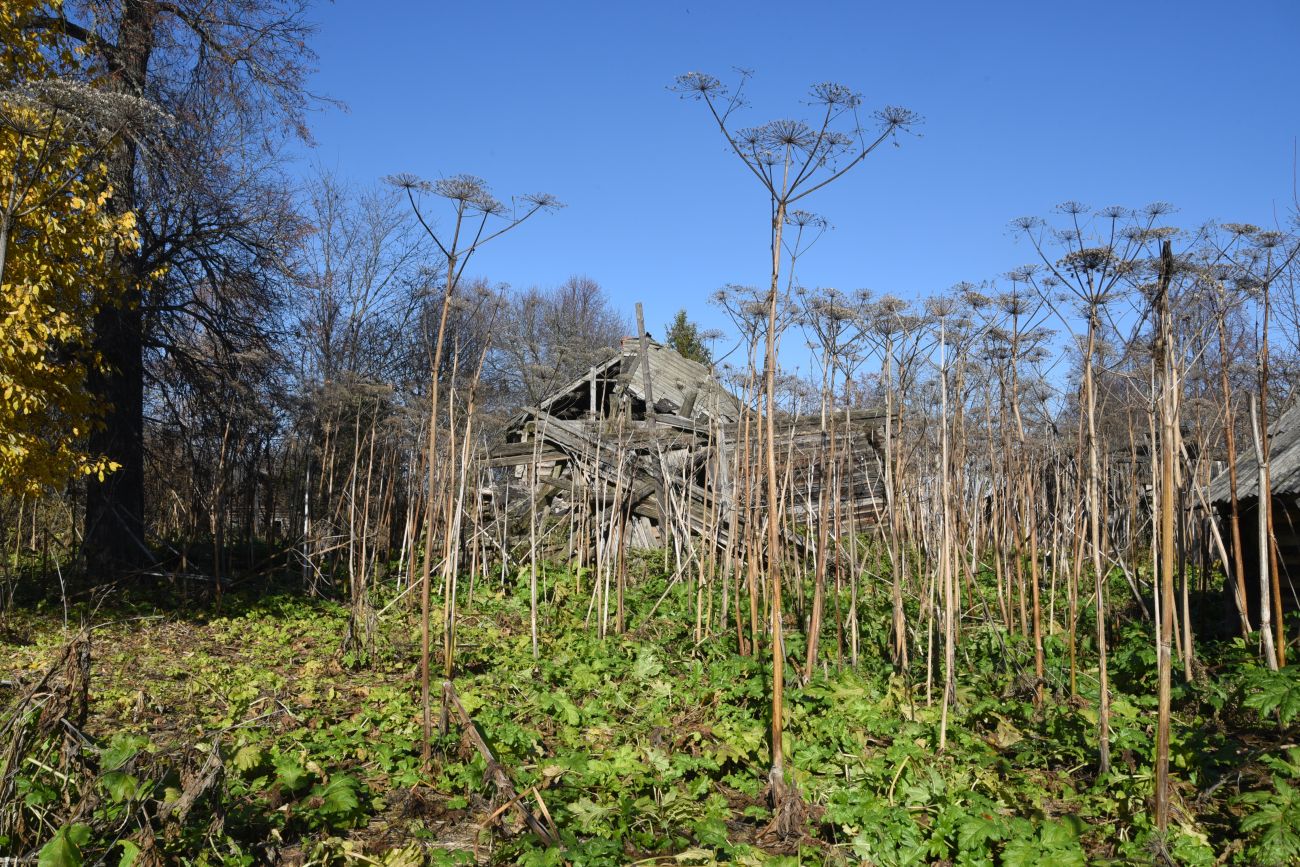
<point>546,456</point>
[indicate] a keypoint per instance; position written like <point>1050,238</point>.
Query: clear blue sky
<point>1026,104</point>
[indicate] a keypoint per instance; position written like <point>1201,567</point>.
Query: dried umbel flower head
<point>1038,354</point>
<point>408,182</point>
<point>998,342</point>
<point>806,220</point>
<point>889,306</point>
<point>1022,274</point>
<point>1088,260</point>
<point>544,201</point>
<point>1269,240</point>
<point>831,310</point>
<point>1148,234</point>
<point>1013,304</point>
<point>975,299</point>
<point>940,307</point>
<point>1216,273</point>
<point>697,85</point>
<point>467,190</point>
<point>833,94</point>
<point>470,194</point>
<point>75,109</point>
<point>896,117</point>
<point>1240,229</point>
<point>1249,283</point>
<point>781,134</point>
<point>735,293</point>
<point>1155,210</point>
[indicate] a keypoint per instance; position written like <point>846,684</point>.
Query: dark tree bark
<point>114,533</point>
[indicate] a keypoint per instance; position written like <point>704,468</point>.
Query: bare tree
<point>363,276</point>
<point>551,336</point>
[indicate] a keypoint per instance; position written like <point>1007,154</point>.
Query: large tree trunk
<point>114,534</point>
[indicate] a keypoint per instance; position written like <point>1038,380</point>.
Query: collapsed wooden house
<point>647,449</point>
<point>1284,484</point>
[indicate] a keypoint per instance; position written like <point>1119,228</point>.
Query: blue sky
<point>1026,104</point>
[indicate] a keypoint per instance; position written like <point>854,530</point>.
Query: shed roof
<point>680,386</point>
<point>1283,459</point>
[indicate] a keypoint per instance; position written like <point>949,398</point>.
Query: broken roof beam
<point>518,454</point>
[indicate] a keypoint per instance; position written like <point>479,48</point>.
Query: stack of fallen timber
<point>647,450</point>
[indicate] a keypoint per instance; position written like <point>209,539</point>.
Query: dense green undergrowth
<point>242,736</point>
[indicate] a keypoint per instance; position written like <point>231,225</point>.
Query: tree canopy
<point>683,336</point>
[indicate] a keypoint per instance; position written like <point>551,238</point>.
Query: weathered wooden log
<point>496,772</point>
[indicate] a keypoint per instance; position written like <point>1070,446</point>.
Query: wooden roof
<point>680,386</point>
<point>1283,459</point>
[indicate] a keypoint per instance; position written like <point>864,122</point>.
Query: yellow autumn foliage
<point>58,269</point>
